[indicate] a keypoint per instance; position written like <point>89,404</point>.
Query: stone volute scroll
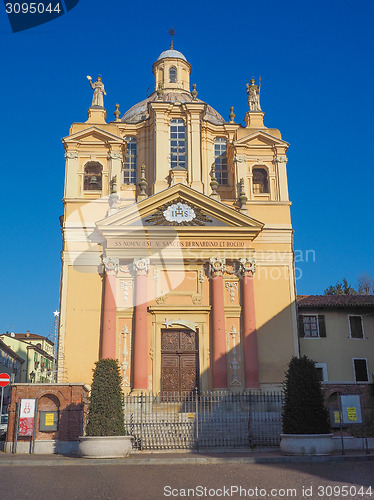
<point>99,92</point>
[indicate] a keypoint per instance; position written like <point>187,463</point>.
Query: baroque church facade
<point>177,252</point>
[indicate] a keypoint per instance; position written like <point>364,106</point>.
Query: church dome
<point>139,112</point>
<point>171,53</point>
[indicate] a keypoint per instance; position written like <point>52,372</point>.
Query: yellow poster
<point>337,417</point>
<point>351,413</point>
<point>49,418</point>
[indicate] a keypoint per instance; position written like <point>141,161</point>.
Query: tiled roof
<point>335,301</point>
<point>29,336</point>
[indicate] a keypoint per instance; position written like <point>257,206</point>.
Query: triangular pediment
<point>260,138</point>
<point>93,134</point>
<point>204,215</point>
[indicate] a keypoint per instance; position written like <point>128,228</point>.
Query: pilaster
<point>108,339</point>
<point>71,173</point>
<point>161,144</point>
<point>194,112</point>
<point>219,362</point>
<point>247,270</point>
<point>140,359</point>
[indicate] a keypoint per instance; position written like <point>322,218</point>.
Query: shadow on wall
<point>182,417</point>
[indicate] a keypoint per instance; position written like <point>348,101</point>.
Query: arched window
<point>177,143</point>
<point>93,176</point>
<point>260,181</point>
<point>131,161</point>
<point>173,74</point>
<point>220,160</point>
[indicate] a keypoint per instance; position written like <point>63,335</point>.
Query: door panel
<point>170,373</point>
<point>188,341</point>
<point>188,372</point>
<point>179,361</point>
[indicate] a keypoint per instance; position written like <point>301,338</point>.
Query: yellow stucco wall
<point>82,325</point>
<point>337,349</point>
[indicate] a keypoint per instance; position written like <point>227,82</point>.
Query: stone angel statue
<point>99,91</point>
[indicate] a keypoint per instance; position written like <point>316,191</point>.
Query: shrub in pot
<point>305,418</point>
<point>105,429</point>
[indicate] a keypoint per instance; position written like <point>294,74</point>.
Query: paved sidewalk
<point>263,456</point>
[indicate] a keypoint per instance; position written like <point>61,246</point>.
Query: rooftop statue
<point>99,91</point>
<point>253,92</point>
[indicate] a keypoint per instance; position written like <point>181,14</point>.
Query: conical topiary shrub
<point>304,411</point>
<point>105,414</point>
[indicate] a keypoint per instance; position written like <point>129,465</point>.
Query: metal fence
<point>204,420</point>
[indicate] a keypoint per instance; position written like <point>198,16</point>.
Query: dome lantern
<point>172,71</point>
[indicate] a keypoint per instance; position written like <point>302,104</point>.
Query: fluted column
<point>247,270</point>
<point>108,337</point>
<point>218,338</point>
<point>140,359</point>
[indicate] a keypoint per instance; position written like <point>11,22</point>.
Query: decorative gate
<point>204,420</point>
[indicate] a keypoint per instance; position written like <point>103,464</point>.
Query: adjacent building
<point>337,332</point>
<point>36,354</point>
<point>11,364</point>
<point>177,243</point>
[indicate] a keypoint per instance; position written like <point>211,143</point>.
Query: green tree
<point>340,289</point>
<point>105,414</point>
<point>304,411</point>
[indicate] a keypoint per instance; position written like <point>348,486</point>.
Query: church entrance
<point>179,362</point>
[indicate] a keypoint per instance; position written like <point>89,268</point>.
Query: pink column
<point>108,338</point>
<point>140,359</point>
<point>248,267</point>
<point>219,363</point>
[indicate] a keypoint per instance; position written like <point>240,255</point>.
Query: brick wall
<point>69,399</point>
<point>367,399</point>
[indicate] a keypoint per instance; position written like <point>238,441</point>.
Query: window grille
<point>220,160</point>
<point>131,161</point>
<point>177,143</point>
<point>173,74</point>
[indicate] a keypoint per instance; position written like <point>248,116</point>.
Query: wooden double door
<point>179,362</point>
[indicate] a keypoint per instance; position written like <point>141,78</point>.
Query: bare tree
<point>365,284</point>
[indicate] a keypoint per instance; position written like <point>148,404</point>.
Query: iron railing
<point>204,420</point>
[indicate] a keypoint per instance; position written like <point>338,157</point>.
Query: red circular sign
<point>4,379</point>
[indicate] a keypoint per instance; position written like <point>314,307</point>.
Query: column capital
<point>111,265</point>
<point>217,266</point>
<point>280,159</point>
<point>247,266</point>
<point>71,154</point>
<point>114,155</point>
<point>141,266</point>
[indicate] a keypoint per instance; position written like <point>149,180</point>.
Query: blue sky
<point>315,60</point>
